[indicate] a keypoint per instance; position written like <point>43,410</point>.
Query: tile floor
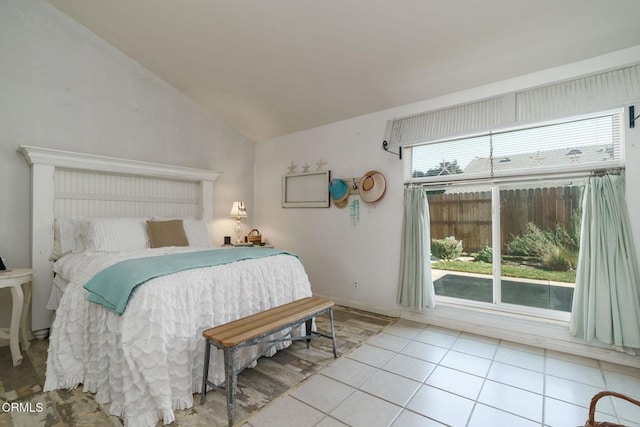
<point>417,375</point>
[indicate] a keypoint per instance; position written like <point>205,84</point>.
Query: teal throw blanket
<point>112,287</point>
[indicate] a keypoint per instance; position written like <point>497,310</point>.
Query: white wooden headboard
<point>66,184</point>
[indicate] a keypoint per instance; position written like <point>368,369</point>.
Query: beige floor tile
<point>467,363</point>
<point>374,356</point>
<point>409,367</point>
<point>475,347</point>
<point>405,329</point>
<point>562,414</point>
<point>484,416</point>
<point>350,372</point>
<point>389,342</point>
<point>520,358</point>
<point>286,412</point>
<point>576,393</point>
<point>456,382</point>
<point>427,352</point>
<point>322,393</point>
<point>513,400</point>
<point>363,410</point>
<point>391,387</point>
<point>437,404</point>
<point>411,419</point>
<point>574,371</point>
<point>432,337</point>
<point>517,377</point>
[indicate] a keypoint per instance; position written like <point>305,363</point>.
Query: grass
<point>507,270</point>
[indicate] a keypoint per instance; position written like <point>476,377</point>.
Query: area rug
<point>520,293</point>
<point>26,405</point>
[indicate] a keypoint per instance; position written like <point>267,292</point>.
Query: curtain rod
<point>518,178</point>
<point>607,171</point>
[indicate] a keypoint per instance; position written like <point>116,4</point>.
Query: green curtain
<point>415,286</point>
<point>606,301</point>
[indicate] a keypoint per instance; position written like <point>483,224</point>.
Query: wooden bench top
<point>241,330</point>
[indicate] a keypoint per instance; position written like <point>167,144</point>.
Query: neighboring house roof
<point>559,157</point>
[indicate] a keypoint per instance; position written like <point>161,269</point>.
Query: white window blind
<point>591,93</point>
<point>462,119</point>
<point>610,89</point>
<point>578,144</point>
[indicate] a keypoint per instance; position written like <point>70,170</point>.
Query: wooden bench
<point>254,329</point>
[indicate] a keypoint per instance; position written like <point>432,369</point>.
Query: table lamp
<point>238,211</point>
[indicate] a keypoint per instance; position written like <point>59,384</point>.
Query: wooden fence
<point>467,216</point>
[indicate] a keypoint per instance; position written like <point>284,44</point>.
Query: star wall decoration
<point>292,167</point>
<point>321,164</point>
<point>305,167</point>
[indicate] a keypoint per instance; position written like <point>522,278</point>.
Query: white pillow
<point>68,235</point>
<point>82,231</point>
<point>197,233</point>
<point>56,251</point>
<point>64,238</point>
<point>112,234</point>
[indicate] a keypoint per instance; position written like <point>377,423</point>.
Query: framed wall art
<point>306,190</point>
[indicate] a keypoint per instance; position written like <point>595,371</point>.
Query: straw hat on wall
<point>372,186</point>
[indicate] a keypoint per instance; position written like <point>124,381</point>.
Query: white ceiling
<point>271,67</point>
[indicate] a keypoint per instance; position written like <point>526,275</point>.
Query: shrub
<point>534,243</point>
<point>571,237</point>
<point>484,255</point>
<point>556,248</point>
<point>448,248</point>
<point>561,260</point>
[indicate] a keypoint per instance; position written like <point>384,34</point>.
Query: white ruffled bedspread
<point>148,362</point>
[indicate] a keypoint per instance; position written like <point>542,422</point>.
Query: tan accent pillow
<point>167,233</point>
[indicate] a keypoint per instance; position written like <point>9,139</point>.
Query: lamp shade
<point>238,210</point>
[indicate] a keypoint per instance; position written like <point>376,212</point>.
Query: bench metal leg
<point>231,376</point>
<point>308,324</point>
<point>205,370</point>
<point>333,333</point>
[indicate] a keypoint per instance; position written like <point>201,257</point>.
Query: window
<point>505,210</point>
<point>577,144</point>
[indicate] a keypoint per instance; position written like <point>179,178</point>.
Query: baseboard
<point>364,307</point>
<point>548,334</point>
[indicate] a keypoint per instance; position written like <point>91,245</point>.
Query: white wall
<point>63,87</point>
<point>334,252</point>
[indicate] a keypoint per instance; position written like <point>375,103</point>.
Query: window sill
<point>507,310</point>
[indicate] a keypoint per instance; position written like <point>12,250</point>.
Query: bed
<point>147,361</point>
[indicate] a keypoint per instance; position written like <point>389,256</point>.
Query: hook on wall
<point>385,147</point>
<point>632,116</point>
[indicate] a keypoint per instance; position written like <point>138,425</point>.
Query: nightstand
<point>14,279</point>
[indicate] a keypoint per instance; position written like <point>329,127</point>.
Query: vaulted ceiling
<point>271,67</point>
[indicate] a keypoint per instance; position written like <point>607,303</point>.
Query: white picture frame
<point>306,190</point>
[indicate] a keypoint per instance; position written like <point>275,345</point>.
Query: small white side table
<point>14,279</point>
